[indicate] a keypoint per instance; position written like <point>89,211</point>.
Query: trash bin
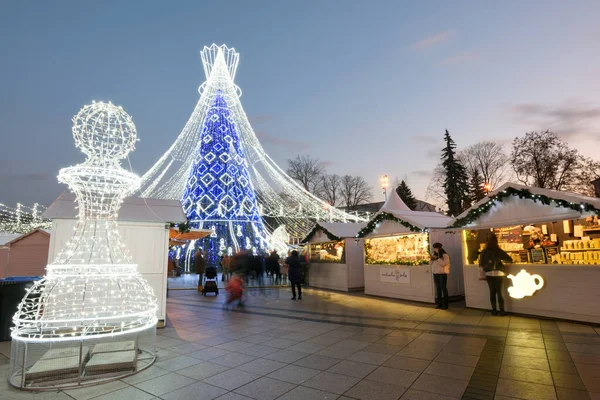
<point>12,291</point>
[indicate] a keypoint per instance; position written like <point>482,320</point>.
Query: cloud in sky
<point>433,40</point>
<point>422,174</point>
<point>570,119</point>
<point>458,58</point>
<point>265,137</point>
<point>39,176</point>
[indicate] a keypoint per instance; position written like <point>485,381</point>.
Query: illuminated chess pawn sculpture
<point>92,290</point>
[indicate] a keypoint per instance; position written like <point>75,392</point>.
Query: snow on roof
<point>7,237</point>
<point>342,229</point>
<point>132,209</point>
<point>514,210</point>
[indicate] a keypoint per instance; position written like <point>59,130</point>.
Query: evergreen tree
<point>456,180</point>
<point>476,186</point>
<point>406,195</point>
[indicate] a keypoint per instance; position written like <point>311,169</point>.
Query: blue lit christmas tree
<point>219,194</point>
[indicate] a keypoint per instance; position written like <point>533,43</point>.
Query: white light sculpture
<point>280,198</point>
<point>92,292</point>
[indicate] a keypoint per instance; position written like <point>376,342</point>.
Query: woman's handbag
<point>482,274</point>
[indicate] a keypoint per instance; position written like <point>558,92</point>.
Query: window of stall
<point>328,252</point>
<point>560,242</point>
<point>400,250</point>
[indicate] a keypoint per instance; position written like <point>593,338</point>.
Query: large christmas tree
<point>219,194</point>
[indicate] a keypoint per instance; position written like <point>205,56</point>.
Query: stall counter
<point>569,292</point>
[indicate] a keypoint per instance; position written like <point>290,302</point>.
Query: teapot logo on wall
<point>524,284</point>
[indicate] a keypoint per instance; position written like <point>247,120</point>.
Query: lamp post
<point>487,188</point>
<point>384,185</point>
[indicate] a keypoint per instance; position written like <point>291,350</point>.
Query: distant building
<point>372,208</point>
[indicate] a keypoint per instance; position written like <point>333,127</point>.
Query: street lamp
<point>384,185</point>
<point>487,188</point>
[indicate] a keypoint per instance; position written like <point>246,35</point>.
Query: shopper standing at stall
<point>491,261</point>
<point>440,265</point>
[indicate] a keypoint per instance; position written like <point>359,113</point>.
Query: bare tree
<point>307,171</point>
<point>488,160</point>
<point>589,170</point>
<point>354,191</point>
<point>330,188</point>
<point>435,190</point>
<point>542,159</point>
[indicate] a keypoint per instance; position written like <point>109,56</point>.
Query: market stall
<point>398,251</point>
<point>335,256</point>
<point>554,240</point>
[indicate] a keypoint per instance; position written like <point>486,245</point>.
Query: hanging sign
<point>394,275</point>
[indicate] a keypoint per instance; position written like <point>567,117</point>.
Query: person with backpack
<point>491,261</point>
<point>440,265</point>
<point>295,274</point>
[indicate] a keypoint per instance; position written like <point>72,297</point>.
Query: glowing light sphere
<point>92,292</point>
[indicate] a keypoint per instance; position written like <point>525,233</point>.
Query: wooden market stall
<point>554,240</point>
<point>398,251</point>
<point>335,256</point>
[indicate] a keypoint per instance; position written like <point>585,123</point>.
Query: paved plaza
<point>349,346</point>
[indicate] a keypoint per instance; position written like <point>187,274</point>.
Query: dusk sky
<point>368,87</point>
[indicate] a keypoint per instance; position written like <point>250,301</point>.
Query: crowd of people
<point>238,269</point>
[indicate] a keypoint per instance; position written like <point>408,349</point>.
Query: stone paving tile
<point>177,363</point>
<point>281,343</point>
<point>265,389</point>
<point>368,390</point>
<point>316,361</point>
<point>198,390</point>
<point>393,376</point>
<point>526,362</point>
<point>258,351</point>
<point>286,356</point>
<point>352,368</point>
<point>164,384</point>
<point>525,390</point>
<point>306,347</point>
<point>450,371</point>
<point>526,375</point>
<point>233,396</point>
<point>412,394</point>
<point>129,393</point>
<point>294,374</point>
<point>231,379</point>
<point>370,357</point>
<point>566,367</point>
<point>458,359</point>
<point>147,374</point>
<point>262,366</point>
<point>407,363</point>
<point>336,352</point>
<point>325,340</point>
<point>208,354</point>
<point>233,360</point>
<point>305,393</point>
<point>202,371</point>
<point>441,385</point>
<point>330,382</point>
<point>93,391</point>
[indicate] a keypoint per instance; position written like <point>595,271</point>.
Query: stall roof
<point>133,209</point>
<point>514,204</point>
<point>418,219</point>
<point>339,230</point>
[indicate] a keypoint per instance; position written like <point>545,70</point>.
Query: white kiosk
<point>398,251</point>
<point>335,256</point>
<point>554,240</point>
<point>144,229</point>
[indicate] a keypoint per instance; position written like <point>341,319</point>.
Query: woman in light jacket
<point>440,265</point>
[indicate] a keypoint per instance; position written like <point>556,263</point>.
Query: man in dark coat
<point>295,274</point>
<point>200,264</point>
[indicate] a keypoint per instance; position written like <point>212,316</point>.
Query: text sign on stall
<point>394,275</point>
